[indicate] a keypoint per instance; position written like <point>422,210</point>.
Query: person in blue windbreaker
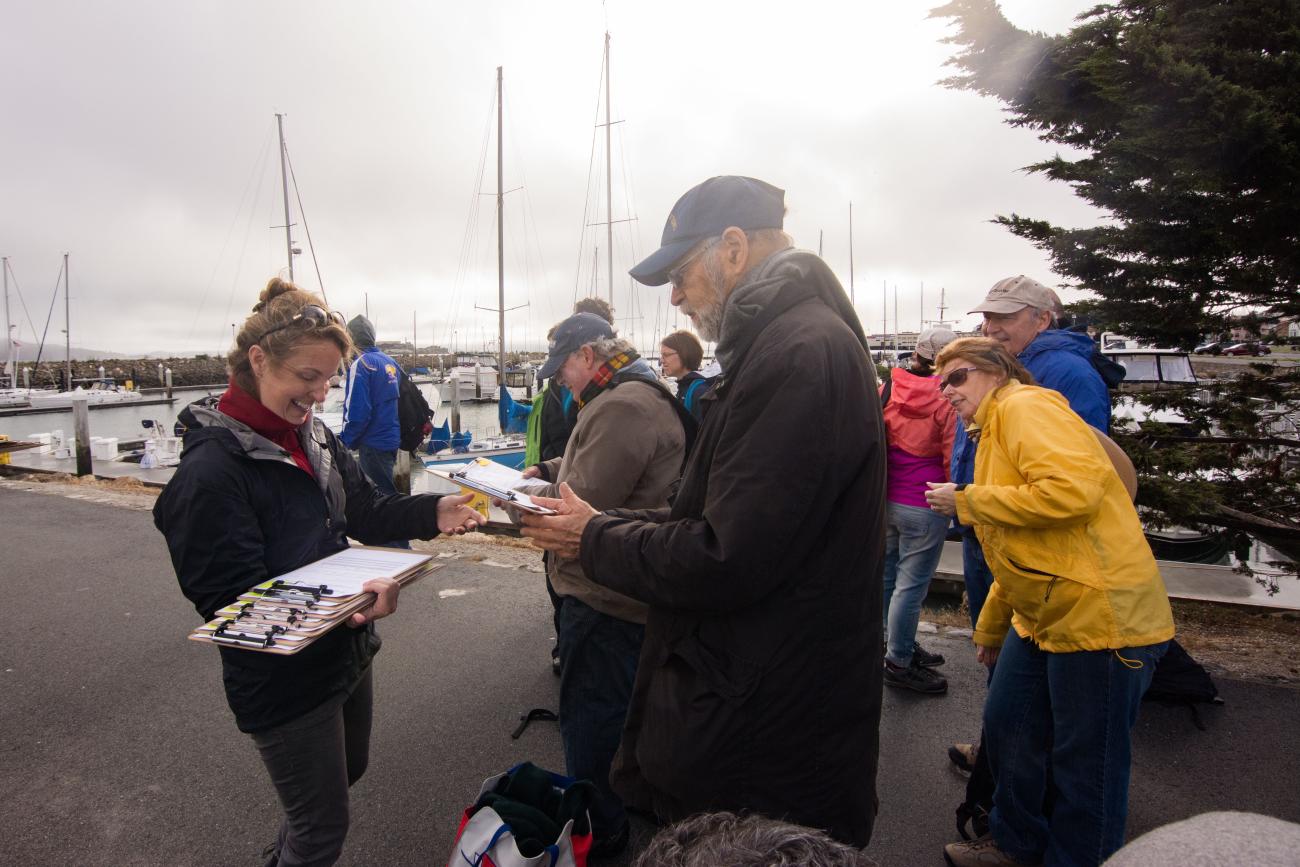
<point>370,425</point>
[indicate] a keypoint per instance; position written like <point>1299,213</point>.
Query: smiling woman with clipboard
<point>264,488</point>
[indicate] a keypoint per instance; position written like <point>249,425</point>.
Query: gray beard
<point>709,322</point>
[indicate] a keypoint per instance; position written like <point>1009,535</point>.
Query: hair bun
<point>275,287</point>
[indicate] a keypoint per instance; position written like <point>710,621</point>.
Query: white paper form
<point>346,571</point>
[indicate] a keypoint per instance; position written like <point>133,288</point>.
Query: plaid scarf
<point>605,376</point>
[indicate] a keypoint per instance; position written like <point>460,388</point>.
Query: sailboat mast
<point>284,187</point>
<point>609,180</point>
<point>501,246</point>
<point>10,361</point>
<point>67,321</point>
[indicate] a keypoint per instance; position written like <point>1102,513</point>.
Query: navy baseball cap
<point>708,210</point>
<point>571,335</point>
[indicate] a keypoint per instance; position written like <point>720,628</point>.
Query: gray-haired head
<point>712,839</point>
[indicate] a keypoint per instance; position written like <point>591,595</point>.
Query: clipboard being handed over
<point>496,480</point>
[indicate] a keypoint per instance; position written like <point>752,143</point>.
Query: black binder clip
<point>231,632</point>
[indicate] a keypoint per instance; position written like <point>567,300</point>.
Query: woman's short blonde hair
<point>275,309</point>
<point>987,355</point>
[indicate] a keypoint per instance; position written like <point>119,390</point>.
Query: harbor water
<point>124,422</point>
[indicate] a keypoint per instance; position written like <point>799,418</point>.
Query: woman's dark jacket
<point>690,389</point>
<point>240,511</point>
<point>759,683</point>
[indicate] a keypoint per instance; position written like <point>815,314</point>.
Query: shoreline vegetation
<point>1260,645</point>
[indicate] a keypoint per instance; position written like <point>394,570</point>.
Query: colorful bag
<point>526,817</point>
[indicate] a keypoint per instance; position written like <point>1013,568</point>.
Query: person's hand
<point>455,517</point>
<point>533,472</point>
<point>561,534</point>
<point>987,655</point>
<point>385,590</point>
<point>942,497</point>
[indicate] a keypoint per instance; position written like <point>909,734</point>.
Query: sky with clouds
<point>139,137</point>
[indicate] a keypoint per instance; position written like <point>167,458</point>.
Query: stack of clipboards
<point>286,614</point>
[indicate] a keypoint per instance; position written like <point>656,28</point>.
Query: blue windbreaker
<point>370,402</point>
<point>1059,361</point>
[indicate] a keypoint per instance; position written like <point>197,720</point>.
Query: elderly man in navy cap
<point>759,683</point>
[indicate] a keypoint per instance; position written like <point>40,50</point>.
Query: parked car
<point>1247,348</point>
<point>1210,347</point>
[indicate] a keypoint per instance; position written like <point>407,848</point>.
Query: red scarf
<point>243,407</point>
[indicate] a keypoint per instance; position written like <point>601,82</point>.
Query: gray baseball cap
<point>571,335</point>
<point>1014,294</point>
<point>932,340</point>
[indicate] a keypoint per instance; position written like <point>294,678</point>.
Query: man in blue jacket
<point>370,425</point>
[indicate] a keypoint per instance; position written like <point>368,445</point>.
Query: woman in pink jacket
<point>919,426</point>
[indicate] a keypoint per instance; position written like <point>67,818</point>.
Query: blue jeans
<point>598,666</point>
<point>598,659</point>
<point>976,572</point>
<point>913,542</point>
<point>1063,720</point>
<point>378,464</point>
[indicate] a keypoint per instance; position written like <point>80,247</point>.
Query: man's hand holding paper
<point>561,534</point>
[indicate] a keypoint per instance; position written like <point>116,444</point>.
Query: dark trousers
<point>598,658</point>
<point>977,574</point>
<point>312,761</point>
<point>378,464</point>
<point>1056,727</point>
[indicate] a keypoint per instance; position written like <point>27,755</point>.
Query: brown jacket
<point>625,453</point>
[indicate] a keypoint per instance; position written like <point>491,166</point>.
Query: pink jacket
<point>918,419</point>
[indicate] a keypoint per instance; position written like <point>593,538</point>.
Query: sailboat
<point>508,449</point>
<point>11,394</point>
<point>102,391</point>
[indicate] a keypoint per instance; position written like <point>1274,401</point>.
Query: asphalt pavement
<point>116,745</point>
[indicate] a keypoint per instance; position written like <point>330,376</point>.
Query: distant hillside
<point>27,353</point>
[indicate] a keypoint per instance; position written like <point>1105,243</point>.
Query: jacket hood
<point>363,333</point>
<point>766,291</point>
<point>1054,339</point>
<point>914,396</point>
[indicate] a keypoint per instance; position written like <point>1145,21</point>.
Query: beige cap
<point>1013,294</point>
<point>931,340</point>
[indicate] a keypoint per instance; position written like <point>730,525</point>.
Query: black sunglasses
<point>957,378</point>
<point>311,316</point>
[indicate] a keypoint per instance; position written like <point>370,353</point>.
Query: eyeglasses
<point>311,316</point>
<point>665,353</point>
<point>957,378</point>
<point>676,275</point>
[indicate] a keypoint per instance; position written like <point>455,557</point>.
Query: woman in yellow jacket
<point>1076,619</point>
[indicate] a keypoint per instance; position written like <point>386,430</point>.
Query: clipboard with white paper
<point>496,480</point>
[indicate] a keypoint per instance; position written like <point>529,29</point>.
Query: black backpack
<point>414,417</point>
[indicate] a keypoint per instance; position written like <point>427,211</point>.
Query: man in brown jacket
<point>759,684</point>
<point>625,451</point>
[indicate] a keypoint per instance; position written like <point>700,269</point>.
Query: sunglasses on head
<point>957,378</point>
<point>311,316</point>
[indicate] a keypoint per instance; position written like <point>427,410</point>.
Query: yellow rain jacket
<point>1072,569</point>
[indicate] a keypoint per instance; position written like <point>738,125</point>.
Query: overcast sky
<point>139,137</point>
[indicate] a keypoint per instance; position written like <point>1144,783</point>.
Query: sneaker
<point>610,845</point>
<point>981,852</point>
<point>963,756</point>
<point>925,658</point>
<point>915,678</point>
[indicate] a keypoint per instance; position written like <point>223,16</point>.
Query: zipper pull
<point>1050,585</point>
